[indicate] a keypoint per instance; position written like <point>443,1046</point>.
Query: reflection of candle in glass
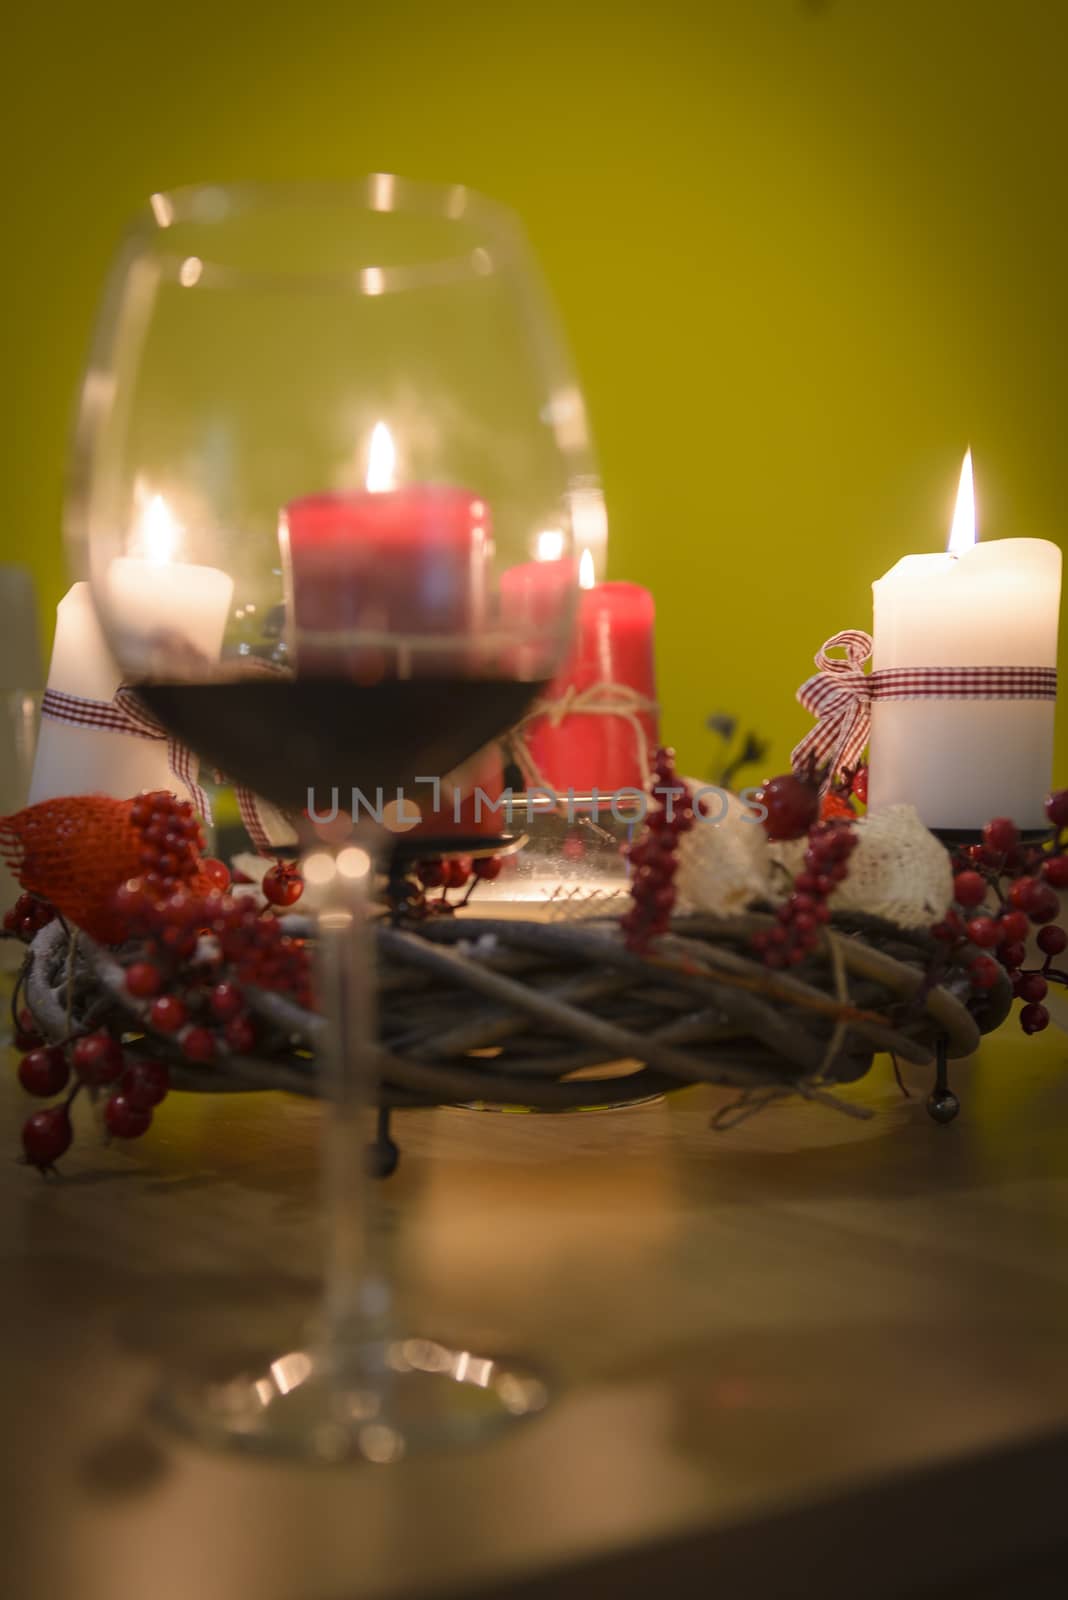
<point>393,565</point>
<point>154,598</point>
<point>962,761</point>
<point>168,603</point>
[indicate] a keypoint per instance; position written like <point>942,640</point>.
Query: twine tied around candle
<point>126,714</point>
<point>841,694</point>
<point>601,699</point>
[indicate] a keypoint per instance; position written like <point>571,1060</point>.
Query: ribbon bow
<point>839,697</point>
<point>183,763</point>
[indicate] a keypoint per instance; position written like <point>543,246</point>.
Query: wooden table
<point>812,1353</point>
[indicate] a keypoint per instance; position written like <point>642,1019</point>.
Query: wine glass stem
<point>356,1302</point>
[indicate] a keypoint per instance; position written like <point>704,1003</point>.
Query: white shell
<point>723,865</point>
<point>899,870</point>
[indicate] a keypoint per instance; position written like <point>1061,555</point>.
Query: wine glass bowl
<point>332,485</point>
<point>351,402</point>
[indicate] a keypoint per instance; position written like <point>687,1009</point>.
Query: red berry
<point>1012,956</point>
<point>134,904</point>
<point>1000,835</point>
<point>457,872</point>
<point>226,1001</point>
<point>1023,892</point>
<point>1051,941</point>
<point>1013,927</point>
<point>1055,871</point>
<point>792,806</point>
<point>240,1034</point>
<point>860,785</point>
<point>167,1014</point>
<point>1032,986</point>
<point>97,1058</point>
<point>145,1083</point>
<point>27,1035</point>
<point>198,1044</point>
<point>836,806</point>
<point>44,1072</point>
<point>1045,907</point>
<point>282,884</point>
<point>969,889</point>
<point>488,867</point>
<point>431,874</point>
<point>984,973</point>
<point>1033,1018</point>
<point>46,1136</point>
<point>1057,808</point>
<point>983,931</point>
<point>124,1119</point>
<point>143,980</point>
<point>217,872</point>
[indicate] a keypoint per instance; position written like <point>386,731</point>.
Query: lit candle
<point>370,575</point>
<point>154,599</point>
<point>612,649</point>
<point>166,609</point>
<point>961,761</point>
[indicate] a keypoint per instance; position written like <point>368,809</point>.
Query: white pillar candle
<point>961,762</point>
<point>76,760</point>
<point>169,616</point>
<point>155,599</point>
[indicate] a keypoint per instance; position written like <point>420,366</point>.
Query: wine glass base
<point>384,1402</point>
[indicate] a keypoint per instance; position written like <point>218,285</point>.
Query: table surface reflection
<point>746,1331</point>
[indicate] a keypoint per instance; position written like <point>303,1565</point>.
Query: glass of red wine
<point>332,484</point>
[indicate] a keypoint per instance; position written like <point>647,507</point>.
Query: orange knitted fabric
<point>75,852</point>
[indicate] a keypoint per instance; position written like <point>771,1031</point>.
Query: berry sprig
<point>409,894</point>
<point>27,917</point>
<point>798,922</point>
<point>98,1061</point>
<point>1002,888</point>
<point>182,953</point>
<point>171,840</point>
<point>654,858</point>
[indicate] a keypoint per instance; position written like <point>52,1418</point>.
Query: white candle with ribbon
<point>78,752</point>
<point>964,664</point>
<point>960,700</point>
<point>74,758</point>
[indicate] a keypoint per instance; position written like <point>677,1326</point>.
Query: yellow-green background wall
<point>805,249</point>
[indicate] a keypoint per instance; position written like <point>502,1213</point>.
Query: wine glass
<point>332,483</point>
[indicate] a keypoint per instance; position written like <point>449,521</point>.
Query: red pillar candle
<point>398,563</point>
<point>613,648</point>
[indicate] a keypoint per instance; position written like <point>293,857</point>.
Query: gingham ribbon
<point>127,714</point>
<point>841,694</point>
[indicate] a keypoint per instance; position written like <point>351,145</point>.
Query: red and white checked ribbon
<point>126,714</point>
<point>841,694</point>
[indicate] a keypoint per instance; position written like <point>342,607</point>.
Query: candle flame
<point>381,460</point>
<point>548,545</point>
<point>586,573</point>
<point>962,533</point>
<point>159,532</point>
